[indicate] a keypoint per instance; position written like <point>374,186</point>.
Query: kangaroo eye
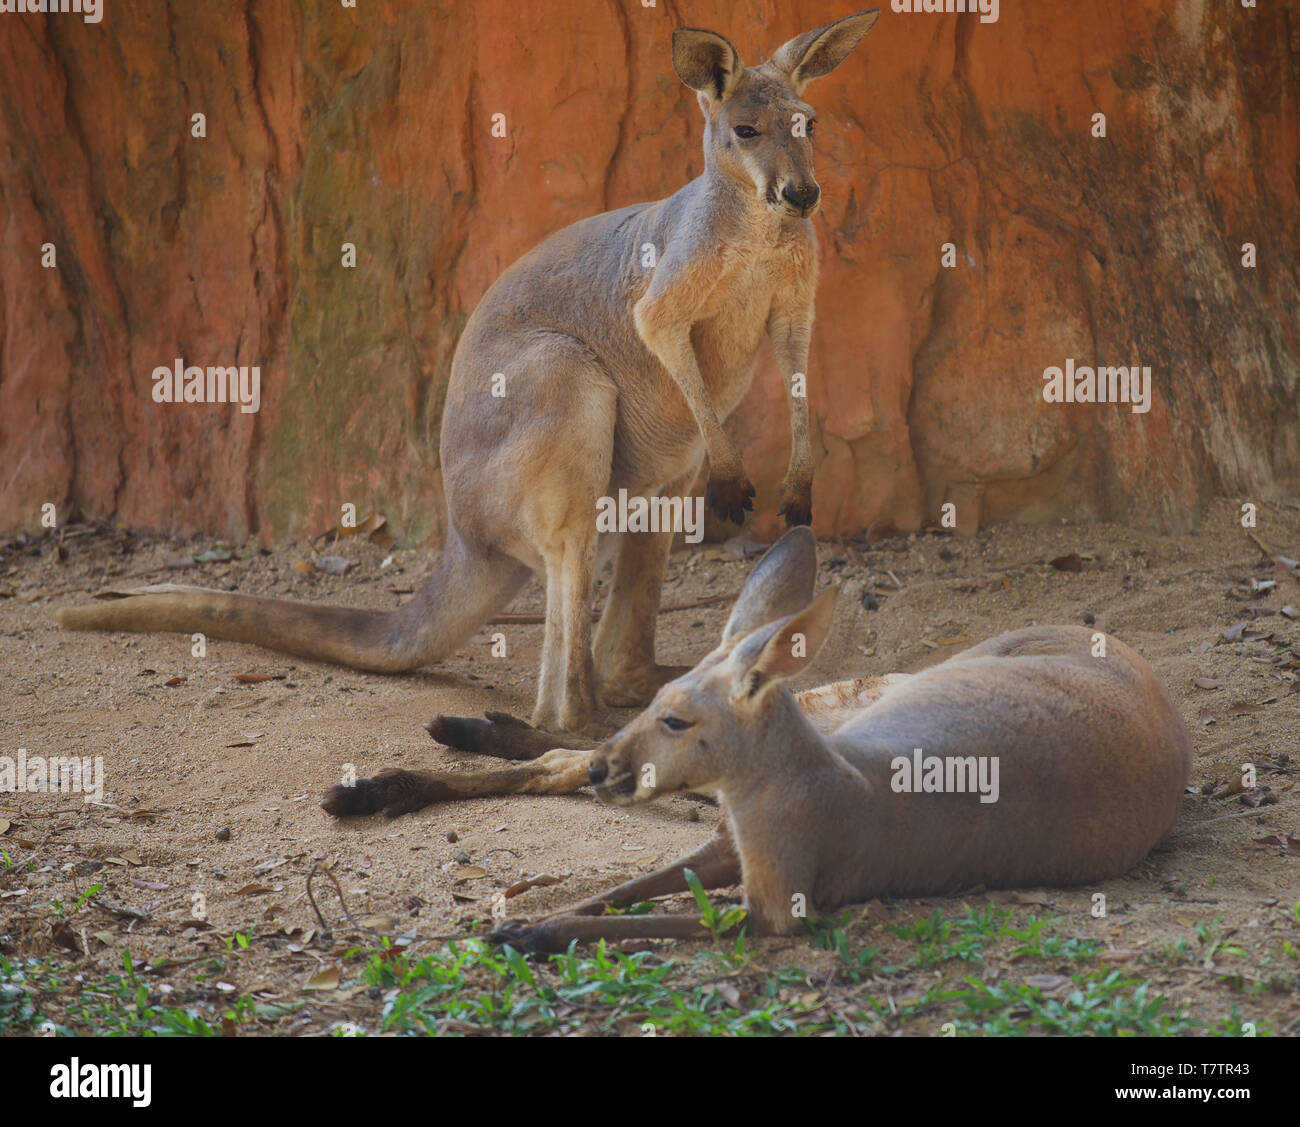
<point>746,131</point>
<point>675,723</point>
<point>811,128</point>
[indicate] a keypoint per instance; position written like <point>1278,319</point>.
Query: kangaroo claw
<point>729,498</point>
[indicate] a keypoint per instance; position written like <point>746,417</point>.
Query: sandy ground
<point>212,785</point>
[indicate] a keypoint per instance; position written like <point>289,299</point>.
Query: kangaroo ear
<point>781,583</point>
<point>782,648</point>
<point>815,53</point>
<point>706,62</point>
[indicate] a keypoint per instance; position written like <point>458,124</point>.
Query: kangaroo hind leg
<point>625,641</point>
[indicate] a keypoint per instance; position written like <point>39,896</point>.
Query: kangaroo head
<point>711,725</point>
<point>758,130</point>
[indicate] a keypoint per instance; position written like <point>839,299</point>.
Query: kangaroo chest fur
<point>595,272</point>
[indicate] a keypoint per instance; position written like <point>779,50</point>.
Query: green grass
<point>1101,1004</point>
<point>117,1005</point>
<point>470,987</point>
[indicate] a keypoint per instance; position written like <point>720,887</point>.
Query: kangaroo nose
<point>596,773</point>
<point>802,197</point>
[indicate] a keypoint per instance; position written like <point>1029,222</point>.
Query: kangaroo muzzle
<point>802,198</point>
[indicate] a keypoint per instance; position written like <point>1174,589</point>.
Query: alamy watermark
<point>92,11</point>
<point>987,9</point>
<point>1083,384</point>
<point>58,774</point>
<point>651,514</point>
<point>75,1080</point>
<point>181,384</point>
<point>945,774</point>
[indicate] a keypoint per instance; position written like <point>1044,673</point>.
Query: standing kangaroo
<point>1091,762</point>
<point>616,376</point>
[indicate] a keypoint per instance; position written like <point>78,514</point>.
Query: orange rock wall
<point>371,125</point>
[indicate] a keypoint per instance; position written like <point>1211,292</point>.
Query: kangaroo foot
<point>729,497</point>
<point>572,715</point>
<point>499,734</point>
<point>390,792</point>
<point>636,687</point>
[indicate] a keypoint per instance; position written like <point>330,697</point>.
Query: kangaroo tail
<point>468,585</point>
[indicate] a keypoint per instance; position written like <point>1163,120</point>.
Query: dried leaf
<point>267,866</point>
<point>251,678</point>
<point>1238,633</point>
<point>326,979</point>
<point>252,890</point>
<point>470,872</point>
<point>172,682</point>
<point>729,994</point>
<point>304,567</point>
<point>543,880</point>
<point>1205,718</point>
<point>132,856</point>
<point>1048,981</point>
<point>1072,562</point>
<point>1207,683</point>
<point>1242,708</point>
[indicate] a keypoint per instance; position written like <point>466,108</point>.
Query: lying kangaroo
<point>582,372</point>
<point>1091,762</point>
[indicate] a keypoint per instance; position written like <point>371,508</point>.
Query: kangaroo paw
<point>539,938</point>
<point>391,793</point>
<point>729,497</point>
<point>797,509</point>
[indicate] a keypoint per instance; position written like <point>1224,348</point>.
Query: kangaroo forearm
<point>715,864</point>
<point>675,353</point>
<point>790,336</point>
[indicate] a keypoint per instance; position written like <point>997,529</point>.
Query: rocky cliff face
<point>371,125</point>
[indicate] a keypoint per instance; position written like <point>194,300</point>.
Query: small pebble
<point>453,836</point>
<point>693,815</point>
<point>462,858</point>
<point>223,834</point>
<point>1089,618</point>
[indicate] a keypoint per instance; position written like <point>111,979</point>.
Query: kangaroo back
<point>1033,760</point>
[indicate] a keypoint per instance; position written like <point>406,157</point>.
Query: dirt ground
<point>212,784</point>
